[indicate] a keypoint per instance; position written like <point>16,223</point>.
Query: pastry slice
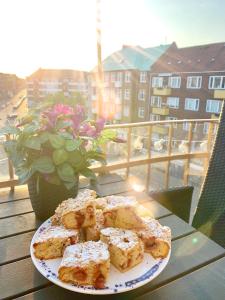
<point>121,212</point>
<point>156,238</point>
<point>53,240</point>
<point>86,264</point>
<point>78,212</point>
<point>92,233</point>
<point>126,249</point>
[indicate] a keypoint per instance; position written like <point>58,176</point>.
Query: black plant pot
<point>48,196</point>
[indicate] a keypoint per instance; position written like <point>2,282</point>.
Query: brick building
<point>10,84</point>
<point>51,81</point>
<point>188,83</point>
<point>126,83</point>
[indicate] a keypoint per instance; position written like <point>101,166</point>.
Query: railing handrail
<point>152,123</point>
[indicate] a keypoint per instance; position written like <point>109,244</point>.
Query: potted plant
<point>50,149</point>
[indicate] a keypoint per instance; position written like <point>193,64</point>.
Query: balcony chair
<point>178,200</point>
<point>209,217</point>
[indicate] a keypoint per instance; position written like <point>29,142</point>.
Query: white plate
<point>117,282</point>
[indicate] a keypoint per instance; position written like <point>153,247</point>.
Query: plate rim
<point>90,291</point>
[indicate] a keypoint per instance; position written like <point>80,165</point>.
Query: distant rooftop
<point>133,58</point>
<point>51,74</point>
<point>210,57</point>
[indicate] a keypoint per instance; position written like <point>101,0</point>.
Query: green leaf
<point>23,174</point>
<point>69,185</point>
<point>99,156</point>
<point>8,129</point>
<point>56,141</point>
<point>66,172</point>
<point>108,134</point>
<point>88,173</point>
<point>59,156</point>
<point>44,165</point>
<point>63,124</point>
<point>31,128</point>
<point>33,142</point>
<point>72,145</point>
<point>44,136</point>
<point>66,135</point>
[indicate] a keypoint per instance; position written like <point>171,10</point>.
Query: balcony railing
<point>162,91</point>
<point>219,94</point>
<point>144,148</point>
<point>163,111</point>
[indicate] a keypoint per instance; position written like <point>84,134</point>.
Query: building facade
<point>10,84</point>
<point>188,83</point>
<point>46,82</point>
<point>126,84</point>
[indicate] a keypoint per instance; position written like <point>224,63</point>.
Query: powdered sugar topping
<point>53,232</point>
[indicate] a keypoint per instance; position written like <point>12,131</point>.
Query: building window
<point>127,94</point>
<point>206,128</point>
<point>141,112</point>
<point>126,111</point>
<point>113,76</point>
<point>154,117</point>
<point>173,102</point>
<point>213,106</point>
<point>194,82</point>
<point>156,101</point>
<point>127,77</point>
<point>217,82</point>
<point>118,98</point>
<point>172,118</point>
<point>157,81</point>
<point>143,77</point>
<point>191,104</point>
<point>174,82</point>
<point>119,76</point>
<point>186,126</point>
<point>141,95</point>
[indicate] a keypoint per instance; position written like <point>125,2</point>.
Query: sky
<point>62,33</point>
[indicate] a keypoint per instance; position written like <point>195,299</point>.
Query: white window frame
<point>157,100</point>
<point>126,110</point>
<point>212,80</point>
<point>118,95</point>
<point>141,112</point>
<point>174,82</point>
<point>141,95</point>
<point>210,103</point>
<point>154,117</point>
<point>176,100</point>
<point>127,77</point>
<point>172,118</point>
<point>119,77</point>
<point>127,94</point>
<point>190,83</point>
<point>143,77</point>
<point>186,126</point>
<point>113,77</point>
<point>195,104</point>
<point>157,82</point>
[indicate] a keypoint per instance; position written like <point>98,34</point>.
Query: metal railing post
<point>149,156</point>
<point>170,135</point>
<point>187,163</point>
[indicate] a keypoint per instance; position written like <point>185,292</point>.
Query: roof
<point>133,58</point>
<point>201,58</point>
<point>51,74</point>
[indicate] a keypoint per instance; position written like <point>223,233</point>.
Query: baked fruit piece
<point>86,264</point>
<point>126,249</point>
<point>156,238</point>
<point>52,242</point>
<point>92,233</point>
<point>78,212</point>
<point>120,212</point>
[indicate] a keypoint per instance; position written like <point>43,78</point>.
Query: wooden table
<point>196,269</point>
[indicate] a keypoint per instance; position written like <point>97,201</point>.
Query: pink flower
<point>99,125</point>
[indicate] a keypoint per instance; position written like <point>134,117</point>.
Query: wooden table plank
<point>188,254</point>
<point>18,224</point>
<point>206,283</point>
<point>20,192</point>
<point>15,208</point>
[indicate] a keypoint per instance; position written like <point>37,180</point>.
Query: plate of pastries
<point>101,245</point>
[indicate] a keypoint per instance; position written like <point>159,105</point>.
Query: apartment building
<point>188,83</point>
<point>10,84</point>
<point>51,81</point>
<point>126,83</point>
